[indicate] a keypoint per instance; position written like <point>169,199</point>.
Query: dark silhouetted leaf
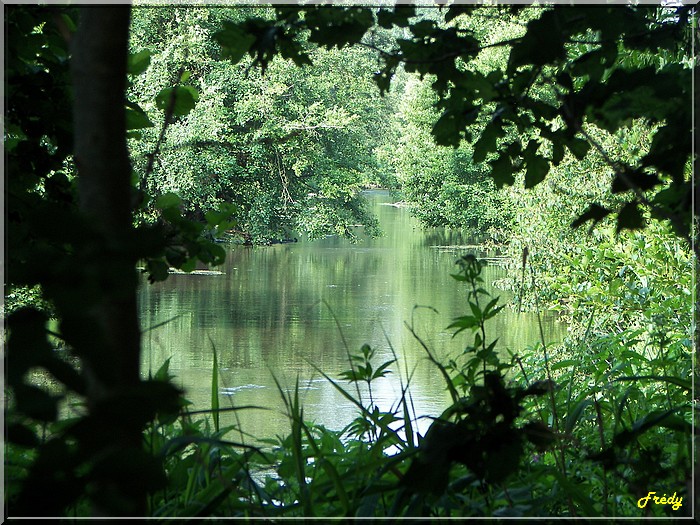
<point>235,41</point>
<point>635,179</point>
<point>630,217</point>
<point>537,169</point>
<point>502,171</point>
<point>595,213</point>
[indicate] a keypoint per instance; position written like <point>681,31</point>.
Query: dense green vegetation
<point>290,149</point>
<point>191,125</point>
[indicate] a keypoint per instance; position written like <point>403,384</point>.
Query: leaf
<point>578,148</point>
<point>537,169</point>
<point>573,417</point>
<point>157,270</point>
<point>683,383</point>
<point>189,265</point>
<point>455,10</point>
<point>627,181</point>
<point>666,419</point>
<point>630,218</point>
<point>163,373</point>
<point>179,100</point>
<point>21,435</point>
<point>215,387</point>
<point>493,312</point>
<point>382,370</point>
<point>138,62</point>
<point>502,171</point>
<point>235,41</point>
<point>464,322</point>
<point>557,153</point>
<point>446,129</point>
<point>398,17</point>
<point>36,403</point>
<point>595,212</point>
<point>539,434</point>
<point>542,44</point>
<point>487,141</point>
<point>338,27</point>
<point>577,492</point>
<point>69,22</point>
<point>168,200</point>
<point>136,118</point>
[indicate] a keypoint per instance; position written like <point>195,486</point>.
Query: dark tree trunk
<point>99,75</point>
<point>110,350</point>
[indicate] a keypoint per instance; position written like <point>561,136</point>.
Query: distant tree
<point>569,69</point>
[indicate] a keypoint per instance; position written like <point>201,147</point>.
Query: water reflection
<point>296,309</point>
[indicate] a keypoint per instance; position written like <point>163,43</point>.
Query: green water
<point>291,309</point>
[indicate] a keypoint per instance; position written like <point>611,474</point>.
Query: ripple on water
<point>229,391</point>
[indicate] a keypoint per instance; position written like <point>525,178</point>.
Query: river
<point>293,310</point>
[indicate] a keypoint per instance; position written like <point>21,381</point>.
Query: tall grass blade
<point>683,383</point>
<point>215,388</point>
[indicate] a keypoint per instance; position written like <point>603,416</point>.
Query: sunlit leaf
<point>178,101</point>
<point>138,62</point>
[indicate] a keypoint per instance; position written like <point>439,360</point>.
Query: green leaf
<point>235,41</point>
<point>579,148</point>
<point>168,200</point>
<point>69,22</point>
<point>487,141</point>
<point>138,62</point>
<point>179,100</point>
<point>21,435</point>
<point>136,118</point>
<point>463,323</point>
<point>163,373</point>
<point>36,403</point>
<point>539,434</point>
<point>456,10</point>
<point>542,44</point>
<point>339,26</point>
<point>447,128</point>
<point>576,492</point>
<point>398,17</point>
<point>621,183</point>
<point>683,383</point>
<point>575,414</point>
<point>157,270</point>
<point>215,387</point>
<point>557,153</point>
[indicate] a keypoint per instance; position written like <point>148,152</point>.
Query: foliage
<point>559,92</point>
<point>291,149</point>
<point>443,185</point>
<point>571,67</point>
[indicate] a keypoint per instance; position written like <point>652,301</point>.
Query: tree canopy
<point>567,69</point>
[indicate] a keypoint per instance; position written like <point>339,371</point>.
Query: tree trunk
<point>101,157</point>
<point>110,350</point>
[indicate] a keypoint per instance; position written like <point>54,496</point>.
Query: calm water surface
<point>291,310</point>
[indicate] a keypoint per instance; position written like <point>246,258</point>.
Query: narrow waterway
<point>296,309</point>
